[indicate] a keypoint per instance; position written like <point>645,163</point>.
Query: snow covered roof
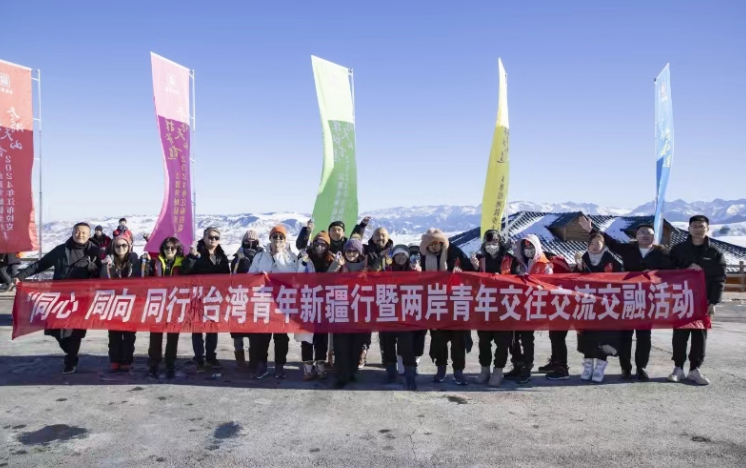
<point>543,224</point>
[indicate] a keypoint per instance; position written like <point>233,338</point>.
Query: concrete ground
<point>92,419</point>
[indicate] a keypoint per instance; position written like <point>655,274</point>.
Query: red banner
<point>282,303</point>
<point>17,226</point>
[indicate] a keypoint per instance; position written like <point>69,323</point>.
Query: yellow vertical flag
<point>498,170</point>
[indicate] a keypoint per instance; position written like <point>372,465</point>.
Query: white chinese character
<point>357,298</point>
<point>535,303</point>
<point>683,306</point>
<point>261,297</point>
<point>286,300</point>
<point>634,301</point>
<point>609,301</point>
<point>461,297</point>
<point>61,311</point>
<point>122,306</point>
<point>386,300</point>
<point>437,300</point>
<point>174,300</point>
<point>661,298</point>
<point>310,304</point>
<point>212,303</point>
<point>337,304</point>
<point>510,305</point>
<point>411,300</point>
<point>239,297</point>
<point>485,300</point>
<point>560,302</point>
<point>101,304</point>
<point>43,304</point>
<point>586,301</point>
<point>155,304</point>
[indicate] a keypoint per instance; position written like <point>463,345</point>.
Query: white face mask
<point>492,249</point>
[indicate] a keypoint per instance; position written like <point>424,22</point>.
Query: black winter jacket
<point>243,259</point>
<point>203,265</point>
<point>70,261</point>
<point>658,258</point>
<point>707,256</point>
<point>131,269</point>
<point>494,264</point>
<point>377,258</point>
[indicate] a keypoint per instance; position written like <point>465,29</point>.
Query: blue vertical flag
<point>663,145</point>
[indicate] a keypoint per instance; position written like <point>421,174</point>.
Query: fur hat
<point>354,244</point>
<point>279,229</point>
<point>337,224</point>
<point>323,236</point>
<point>431,236</point>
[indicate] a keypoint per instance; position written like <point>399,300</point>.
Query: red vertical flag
<point>17,226</point>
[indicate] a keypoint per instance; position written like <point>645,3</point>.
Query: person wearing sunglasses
<point>168,263</point>
<point>276,258</point>
<point>316,259</point>
<point>77,259</point>
<point>120,262</point>
<point>207,258</point>
<point>241,264</point>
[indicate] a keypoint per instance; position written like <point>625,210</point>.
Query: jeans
<point>642,353</point>
<point>259,347</point>
<point>439,348</point>
<point>317,350</point>
<point>559,347</point>
<point>209,343</point>
<point>502,341</point>
<point>347,350</point>
<point>155,350</point>
<point>398,343</point>
<point>121,347</point>
<point>697,351</point>
<point>522,349</point>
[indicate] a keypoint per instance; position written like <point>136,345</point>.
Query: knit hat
<point>492,235</point>
<point>122,237</point>
<point>400,249</point>
<point>431,236</point>
<point>99,228</point>
<point>354,244</point>
<point>279,229</point>
<point>323,236</point>
<point>251,235</point>
<point>337,223</point>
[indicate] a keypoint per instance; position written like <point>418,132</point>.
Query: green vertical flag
<point>337,196</point>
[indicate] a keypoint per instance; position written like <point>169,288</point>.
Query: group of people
<point>84,256</point>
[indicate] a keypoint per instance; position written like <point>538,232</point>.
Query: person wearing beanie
<point>437,254</point>
<point>101,239</point>
<point>493,258</point>
<point>336,232</point>
<point>275,258</point>
<point>207,258</point>
<point>641,254</point>
<point>398,347</point>
<point>242,260</point>
<point>596,345</point>
<point>121,262</point>
<point>80,259</point>
<point>315,346</point>
<point>531,260</point>
<point>348,346</point>
<point>419,336</point>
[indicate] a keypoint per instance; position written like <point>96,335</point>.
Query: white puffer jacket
<point>281,262</point>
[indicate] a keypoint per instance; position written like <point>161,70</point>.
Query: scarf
<point>437,262</point>
<point>596,258</point>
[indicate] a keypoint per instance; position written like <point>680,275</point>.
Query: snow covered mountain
<point>406,224</point>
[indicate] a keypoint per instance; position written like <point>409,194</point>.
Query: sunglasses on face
<point>170,248</point>
<point>214,238</point>
<point>278,237</point>
<point>120,246</point>
<point>319,244</point>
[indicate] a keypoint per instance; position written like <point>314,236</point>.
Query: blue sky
<point>580,96</point>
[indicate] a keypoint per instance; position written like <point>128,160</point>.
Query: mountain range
<point>407,224</point>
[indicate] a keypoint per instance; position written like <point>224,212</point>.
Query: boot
<point>598,372</point>
<point>240,359</point>
<point>497,378</point>
<point>410,373</point>
<point>484,376</point>
<point>458,377</point>
<point>391,374</point>
<point>321,370</point>
<point>308,371</point>
<point>587,370</point>
<point>440,376</point>
<point>280,371</point>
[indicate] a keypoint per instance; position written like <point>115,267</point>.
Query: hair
<point>174,241</point>
<point>81,225</point>
<point>211,229</point>
<point>596,235</point>
<point>123,219</point>
<point>646,225</point>
<point>699,219</point>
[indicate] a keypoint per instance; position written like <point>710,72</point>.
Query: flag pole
<point>192,157</point>
<point>40,227</point>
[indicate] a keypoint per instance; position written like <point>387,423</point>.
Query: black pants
<point>155,350</point>
<point>502,341</point>
<point>315,351</point>
<point>697,351</point>
<point>7,273</point>
<point>439,348</point>
<point>69,345</point>
<point>121,347</point>
<point>522,349</point>
<point>559,347</point>
<point>259,347</point>
<point>347,349</point>
<point>642,353</point>
<point>418,342</point>
<point>398,343</point>
<point>209,343</point>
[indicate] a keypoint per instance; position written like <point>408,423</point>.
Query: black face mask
<point>252,245</point>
